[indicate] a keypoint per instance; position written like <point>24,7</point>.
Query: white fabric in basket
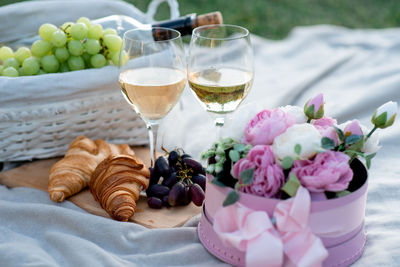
<point>357,70</point>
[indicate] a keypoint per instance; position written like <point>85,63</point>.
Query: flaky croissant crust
<point>116,184</point>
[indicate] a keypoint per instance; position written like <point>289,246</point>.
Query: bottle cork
<point>208,19</point>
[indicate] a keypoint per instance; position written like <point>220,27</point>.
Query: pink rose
<point>324,126</point>
<point>325,122</point>
<point>329,171</point>
<point>314,108</point>
<point>266,125</point>
<point>352,128</point>
<point>268,175</point>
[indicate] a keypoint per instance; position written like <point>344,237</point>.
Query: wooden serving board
<point>36,175</point>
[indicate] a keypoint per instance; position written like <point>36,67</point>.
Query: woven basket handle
<point>153,6</point>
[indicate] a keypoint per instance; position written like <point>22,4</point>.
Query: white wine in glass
<point>220,68</point>
<point>152,75</point>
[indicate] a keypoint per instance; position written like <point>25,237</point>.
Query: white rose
<point>305,134</point>
<point>296,112</point>
<point>372,144</point>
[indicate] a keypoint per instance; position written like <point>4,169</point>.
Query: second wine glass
<point>220,68</point>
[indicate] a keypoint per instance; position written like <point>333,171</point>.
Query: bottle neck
<point>184,24</point>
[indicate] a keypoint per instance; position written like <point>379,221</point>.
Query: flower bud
<point>384,115</point>
<point>353,128</point>
<point>314,108</point>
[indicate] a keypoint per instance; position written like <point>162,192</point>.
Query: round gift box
<point>339,222</point>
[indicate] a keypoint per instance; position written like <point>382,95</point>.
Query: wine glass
<point>152,75</point>
<point>220,68</point>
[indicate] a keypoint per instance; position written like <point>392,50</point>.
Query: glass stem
<point>153,130</point>
<point>219,124</point>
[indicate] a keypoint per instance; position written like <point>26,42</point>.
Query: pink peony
<point>329,171</point>
<point>314,108</point>
<point>268,175</point>
<point>325,122</point>
<point>266,125</point>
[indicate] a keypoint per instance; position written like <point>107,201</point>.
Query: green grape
<point>46,31</point>
<point>22,53</point>
<point>59,39</point>
<point>79,31</point>
<point>98,61</point>
<point>86,57</point>
<point>110,31</point>
<point>109,55</point>
<point>66,27</point>
<point>40,48</point>
<point>10,72</point>
<point>6,52</point>
<point>76,63</point>
<point>92,46</point>
<point>64,67</point>
<point>85,21</point>
<point>61,54</point>
<point>1,69</point>
<point>50,63</point>
<point>115,58</point>
<point>113,42</point>
<point>11,62</point>
<point>41,72</point>
<point>95,31</point>
<point>21,71</point>
<point>75,48</point>
<point>30,66</point>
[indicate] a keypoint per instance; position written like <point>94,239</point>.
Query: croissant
<point>72,173</point>
<point>116,184</point>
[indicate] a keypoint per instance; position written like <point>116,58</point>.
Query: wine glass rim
<point>178,36</point>
<point>244,35</point>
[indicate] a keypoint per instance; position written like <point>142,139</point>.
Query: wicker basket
<point>44,131</point>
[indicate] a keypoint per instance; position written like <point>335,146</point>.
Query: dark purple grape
<point>200,180</point>
<point>184,156</point>
<point>165,201</point>
<point>157,190</point>
<point>154,176</point>
<point>161,166</point>
<point>171,180</point>
<point>197,194</point>
<point>173,158</point>
<point>154,203</point>
<point>194,165</point>
<point>176,194</point>
<point>187,197</point>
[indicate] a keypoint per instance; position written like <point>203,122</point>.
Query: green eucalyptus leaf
<point>287,163</point>
<point>234,155</point>
<point>343,193</point>
<point>352,139</point>
<point>327,143</point>
<point>211,168</point>
<point>297,149</point>
<point>339,133</point>
<point>291,186</point>
<point>247,176</point>
<point>239,147</point>
<point>219,167</point>
<point>217,182</point>
<point>231,198</point>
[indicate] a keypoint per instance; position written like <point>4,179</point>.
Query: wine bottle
<point>184,25</point>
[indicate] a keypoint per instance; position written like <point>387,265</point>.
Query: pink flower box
<point>338,222</point>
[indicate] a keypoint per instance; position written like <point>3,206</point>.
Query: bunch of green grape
<point>73,46</point>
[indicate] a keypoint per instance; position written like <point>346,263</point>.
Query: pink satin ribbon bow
<point>266,244</point>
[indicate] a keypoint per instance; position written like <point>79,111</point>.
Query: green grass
<point>275,18</point>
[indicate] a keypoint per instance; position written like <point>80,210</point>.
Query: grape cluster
<point>73,46</point>
<point>176,180</point>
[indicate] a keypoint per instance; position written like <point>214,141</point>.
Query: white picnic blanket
<point>357,70</point>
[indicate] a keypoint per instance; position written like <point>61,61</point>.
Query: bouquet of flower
<point>284,148</point>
